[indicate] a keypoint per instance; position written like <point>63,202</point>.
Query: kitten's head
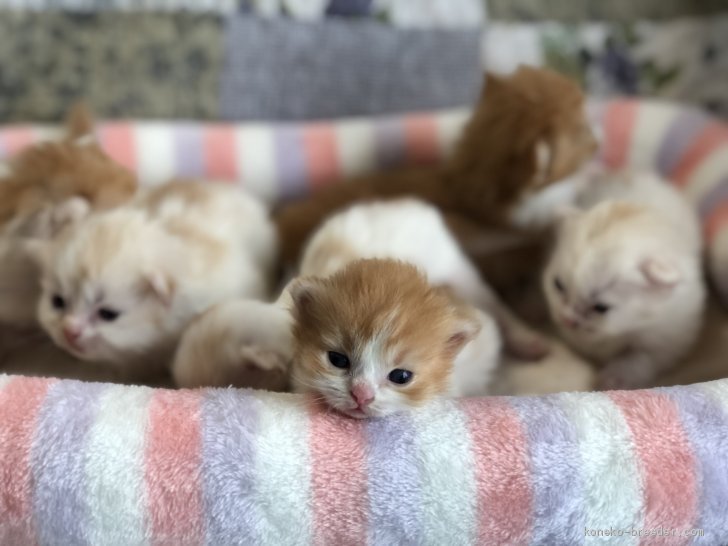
<point>528,131</point>
<point>106,287</point>
<point>375,338</point>
<point>75,166</point>
<point>607,276</point>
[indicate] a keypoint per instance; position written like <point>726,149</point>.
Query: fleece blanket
<point>108,464</point>
<point>286,160</point>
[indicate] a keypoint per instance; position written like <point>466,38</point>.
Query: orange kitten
<point>376,338</point>
<point>52,172</point>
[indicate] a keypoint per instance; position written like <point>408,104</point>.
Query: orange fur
<point>493,167</point>
<point>52,172</point>
<point>388,303</point>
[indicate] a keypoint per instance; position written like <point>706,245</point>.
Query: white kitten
<point>624,284</point>
<point>243,343</point>
<point>120,286</point>
<point>414,232</point>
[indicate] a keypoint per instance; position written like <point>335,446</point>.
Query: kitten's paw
<point>525,344</point>
<point>262,369</point>
<point>626,374</point>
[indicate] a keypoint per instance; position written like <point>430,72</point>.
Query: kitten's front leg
<point>632,370</point>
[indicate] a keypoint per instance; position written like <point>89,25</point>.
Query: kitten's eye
<point>339,360</point>
<point>400,377</point>
<point>58,302</point>
<point>600,308</point>
<point>559,285</point>
<point>108,315</point>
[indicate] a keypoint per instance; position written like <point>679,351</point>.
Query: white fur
<point>238,343</point>
<point>157,263</point>
<point>645,267</point>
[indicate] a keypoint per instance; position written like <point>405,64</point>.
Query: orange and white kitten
<point>50,173</point>
<point>376,338</point>
<point>625,283</point>
<point>415,232</point>
<point>120,286</point>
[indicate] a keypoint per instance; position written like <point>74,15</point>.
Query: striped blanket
<point>114,465</point>
<point>282,161</point>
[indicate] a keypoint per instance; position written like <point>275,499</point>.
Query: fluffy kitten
<point>52,172</point>
<point>376,338</point>
<point>414,232</point>
<point>527,132</point>
<point>243,343</point>
<point>624,284</point>
<point>120,286</point>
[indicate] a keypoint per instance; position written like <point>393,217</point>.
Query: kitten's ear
<point>467,326</point>
<point>161,285</point>
<point>38,250</point>
<point>80,125</point>
<point>302,292</point>
<point>660,272</point>
<point>544,157</point>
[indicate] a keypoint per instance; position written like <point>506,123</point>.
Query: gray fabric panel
<point>278,69</point>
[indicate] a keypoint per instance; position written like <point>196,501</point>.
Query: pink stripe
<point>505,495</point>
<point>666,460</point>
<point>712,136</point>
<point>619,123</point>
<point>172,468</point>
<point>338,478</point>
<point>420,133</point>
<point>20,403</point>
<point>16,139</point>
<point>119,142</point>
<point>319,142</point>
<point>715,222</point>
<point>220,160</point>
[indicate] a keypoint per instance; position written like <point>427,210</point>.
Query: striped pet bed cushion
<point>102,464</point>
<point>285,160</point>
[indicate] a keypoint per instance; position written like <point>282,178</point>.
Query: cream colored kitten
<point>376,338</point>
<point>243,343</point>
<point>624,284</point>
<point>121,286</point>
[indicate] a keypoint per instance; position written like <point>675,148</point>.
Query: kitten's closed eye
<point>339,360</point>
<point>58,302</point>
<point>108,315</point>
<point>559,285</point>
<point>600,308</point>
<point>400,377</point>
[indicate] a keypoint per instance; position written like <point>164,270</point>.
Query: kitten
<point>624,283</point>
<point>53,172</point>
<point>120,286</point>
<point>376,338</point>
<point>528,132</point>
<point>243,343</point>
<point>415,232</point>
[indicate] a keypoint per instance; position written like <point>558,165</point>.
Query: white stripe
<point>450,126</point>
<point>610,474</point>
<point>708,174</point>
<point>255,152</point>
<point>4,380</point>
<point>651,126</point>
<point>115,468</point>
<point>356,146</point>
<point>155,153</point>
<point>718,390</point>
<point>445,453</point>
<point>282,463</point>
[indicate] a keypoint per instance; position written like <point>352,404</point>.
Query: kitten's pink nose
<point>363,395</point>
<point>569,321</point>
<point>72,333</point>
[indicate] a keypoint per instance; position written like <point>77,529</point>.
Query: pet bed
<point>87,463</point>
